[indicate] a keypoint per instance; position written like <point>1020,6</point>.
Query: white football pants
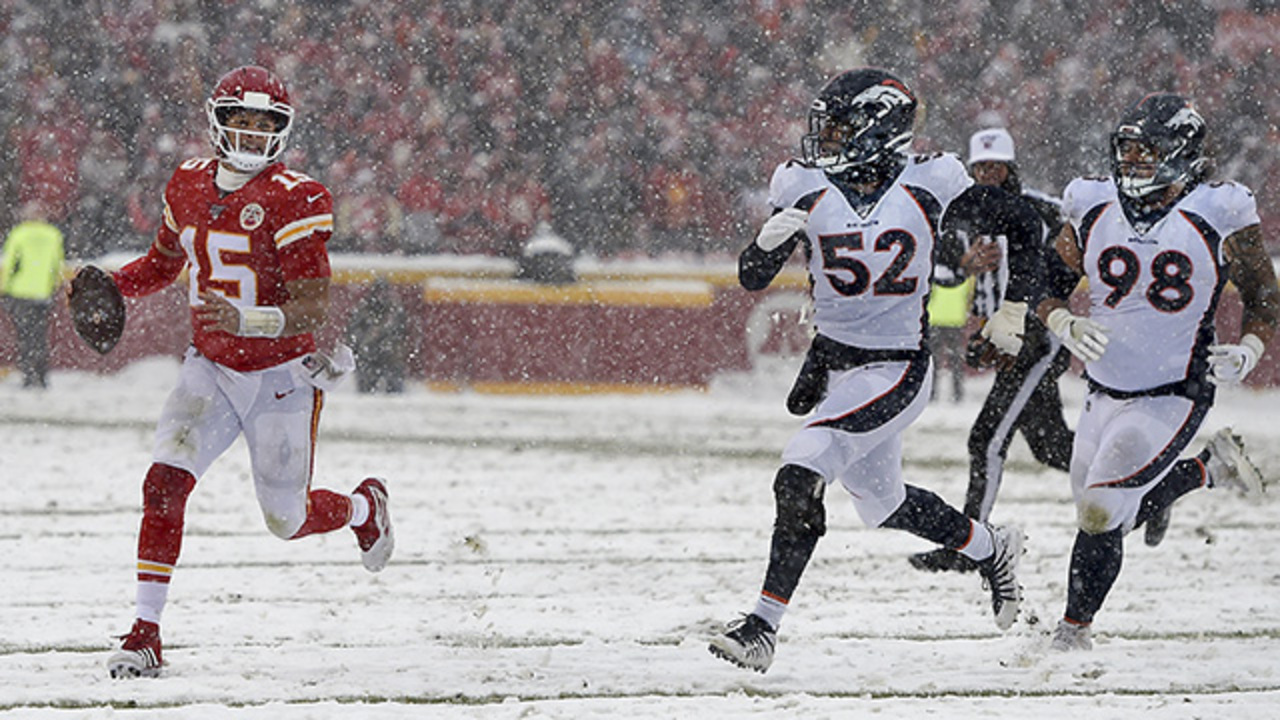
<point>276,409</point>
<point>861,444</point>
<point>1122,449</point>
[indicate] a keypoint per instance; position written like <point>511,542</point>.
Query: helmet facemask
<point>1156,146</point>
<point>248,149</point>
<point>1138,166</point>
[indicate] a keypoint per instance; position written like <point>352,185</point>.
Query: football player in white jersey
<point>1157,243</point>
<point>867,214</point>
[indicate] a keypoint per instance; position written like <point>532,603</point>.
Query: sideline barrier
<point>629,328</point>
<point>600,333</point>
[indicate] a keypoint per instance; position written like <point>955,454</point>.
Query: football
<point>97,308</point>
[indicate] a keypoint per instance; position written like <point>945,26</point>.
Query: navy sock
<point>1095,565</point>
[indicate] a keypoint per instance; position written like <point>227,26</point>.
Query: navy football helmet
<point>859,125</point>
<point>1157,143</point>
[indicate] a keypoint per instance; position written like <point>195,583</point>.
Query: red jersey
<point>244,246</point>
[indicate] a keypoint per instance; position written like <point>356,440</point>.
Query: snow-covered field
<point>567,557</point>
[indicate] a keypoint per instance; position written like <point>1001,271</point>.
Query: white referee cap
<point>991,144</point>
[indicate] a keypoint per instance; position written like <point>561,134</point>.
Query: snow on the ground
<point>567,557</point>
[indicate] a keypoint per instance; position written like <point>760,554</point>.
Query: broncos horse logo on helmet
<point>1157,143</point>
<point>859,125</point>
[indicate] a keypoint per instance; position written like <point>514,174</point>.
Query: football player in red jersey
<point>252,234</point>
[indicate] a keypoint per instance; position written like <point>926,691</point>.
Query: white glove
<point>780,227</point>
<point>1085,338</point>
<point>327,370</point>
<point>1231,363</point>
<point>1005,328</point>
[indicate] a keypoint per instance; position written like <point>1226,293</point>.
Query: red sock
<point>164,506</point>
<point>326,511</point>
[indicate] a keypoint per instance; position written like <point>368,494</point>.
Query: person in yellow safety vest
<point>948,314</point>
<point>29,273</point>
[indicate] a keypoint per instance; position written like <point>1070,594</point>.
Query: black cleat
<point>1156,526</point>
<point>943,560</point>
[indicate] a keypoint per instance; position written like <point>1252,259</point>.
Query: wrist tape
<point>262,321</point>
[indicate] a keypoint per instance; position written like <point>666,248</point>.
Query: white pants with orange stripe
<point>1123,447</point>
<point>855,434</point>
<point>277,411</point>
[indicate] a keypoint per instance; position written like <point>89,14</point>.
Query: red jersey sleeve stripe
<point>169,222</point>
<point>299,229</point>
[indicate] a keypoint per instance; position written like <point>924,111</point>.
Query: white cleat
<point>1069,636</point>
<point>999,574</point>
<point>1228,466</point>
<point>747,642</point>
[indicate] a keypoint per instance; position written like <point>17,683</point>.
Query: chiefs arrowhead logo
<point>252,216</point>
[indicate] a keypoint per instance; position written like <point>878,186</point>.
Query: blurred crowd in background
<point>634,127</point>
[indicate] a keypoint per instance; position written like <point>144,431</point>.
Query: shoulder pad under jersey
<point>1085,193</point>
<point>941,173</point>
<point>792,181</point>
<point>1228,206</point>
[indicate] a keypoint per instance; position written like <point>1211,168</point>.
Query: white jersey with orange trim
<point>871,266</point>
<point>1156,288</point>
<point>246,245</point>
